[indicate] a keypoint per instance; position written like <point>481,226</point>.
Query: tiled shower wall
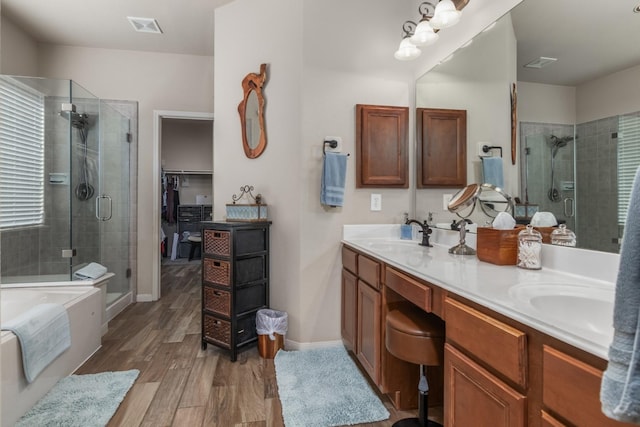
<point>597,190</point>
<point>536,180</point>
<point>37,251</point>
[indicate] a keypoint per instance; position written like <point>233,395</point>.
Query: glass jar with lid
<point>562,236</point>
<point>530,249</point>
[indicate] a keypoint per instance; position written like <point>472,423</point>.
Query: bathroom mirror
<point>251,109</point>
<point>493,200</point>
<point>464,201</point>
<point>559,102</point>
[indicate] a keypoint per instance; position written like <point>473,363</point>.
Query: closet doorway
<point>183,163</point>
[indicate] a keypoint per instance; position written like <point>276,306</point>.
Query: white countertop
<point>549,300</point>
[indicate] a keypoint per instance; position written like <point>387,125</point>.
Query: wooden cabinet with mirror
<point>442,147</point>
<point>381,144</point>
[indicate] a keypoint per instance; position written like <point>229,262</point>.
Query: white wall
<point>618,93</point>
<point>187,145</point>
<point>158,82</point>
<point>19,51</point>
<point>544,103</point>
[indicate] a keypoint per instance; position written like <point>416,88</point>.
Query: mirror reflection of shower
<point>555,143</point>
<point>80,121</point>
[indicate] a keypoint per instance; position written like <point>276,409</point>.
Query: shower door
<point>113,199</point>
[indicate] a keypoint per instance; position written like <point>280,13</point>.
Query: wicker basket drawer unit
<point>235,283</point>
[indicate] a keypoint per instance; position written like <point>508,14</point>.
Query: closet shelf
<point>187,172</point>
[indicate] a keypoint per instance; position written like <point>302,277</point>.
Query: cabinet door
<point>474,397</point>
<point>369,330</point>
<point>442,147</point>
<point>381,146</point>
<point>349,309</point>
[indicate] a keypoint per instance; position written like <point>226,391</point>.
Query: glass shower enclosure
<point>65,183</point>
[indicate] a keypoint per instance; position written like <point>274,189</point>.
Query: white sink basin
<point>575,307</point>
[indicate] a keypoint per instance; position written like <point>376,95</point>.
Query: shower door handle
<point>99,207</point>
<point>569,209</point>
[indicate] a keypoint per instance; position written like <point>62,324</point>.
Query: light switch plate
<point>446,198</point>
<point>376,202</point>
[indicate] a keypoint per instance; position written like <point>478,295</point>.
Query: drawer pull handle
<point>217,293</point>
<point>241,331</point>
<point>216,263</point>
<point>217,234</point>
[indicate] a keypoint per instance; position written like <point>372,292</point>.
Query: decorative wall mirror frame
<point>251,109</point>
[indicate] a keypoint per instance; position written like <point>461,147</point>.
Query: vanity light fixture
<point>433,18</point>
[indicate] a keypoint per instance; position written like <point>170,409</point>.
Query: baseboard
<point>144,298</point>
<point>294,345</point>
<point>114,309</point>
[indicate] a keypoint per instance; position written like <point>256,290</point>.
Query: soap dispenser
<point>406,231</point>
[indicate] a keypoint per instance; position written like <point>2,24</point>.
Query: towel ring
<point>332,143</point>
<point>486,148</point>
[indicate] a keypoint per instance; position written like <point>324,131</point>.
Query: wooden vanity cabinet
<point>382,155</point>
<point>235,282</point>
<point>441,148</point>
<point>363,313</point>
<point>483,357</point>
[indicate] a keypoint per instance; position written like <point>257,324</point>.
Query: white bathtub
<point>84,307</point>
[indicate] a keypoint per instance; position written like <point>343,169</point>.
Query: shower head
<point>560,142</point>
<point>78,120</point>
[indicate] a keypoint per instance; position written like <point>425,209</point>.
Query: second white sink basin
<point>586,308</point>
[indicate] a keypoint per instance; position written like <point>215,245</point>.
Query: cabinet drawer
<point>217,243</point>
<point>216,272</point>
<point>571,389</point>
<point>250,270</point>
<point>216,330</point>
<point>250,298</point>
<point>495,343</point>
<point>349,260</point>
<point>369,271</point>
<point>246,329</point>
<point>217,301</point>
<point>409,288</point>
<point>250,241</point>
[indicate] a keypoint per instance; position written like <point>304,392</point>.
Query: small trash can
<point>271,326</point>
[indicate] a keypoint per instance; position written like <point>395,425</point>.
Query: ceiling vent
<point>145,25</point>
<point>541,62</point>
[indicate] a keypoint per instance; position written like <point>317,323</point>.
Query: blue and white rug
<point>81,400</point>
<point>323,387</point>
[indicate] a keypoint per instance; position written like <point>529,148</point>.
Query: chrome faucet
<point>425,230</point>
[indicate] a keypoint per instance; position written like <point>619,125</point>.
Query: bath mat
<point>323,387</point>
<point>81,400</point>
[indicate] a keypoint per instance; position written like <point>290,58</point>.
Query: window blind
<point>628,160</point>
<point>21,155</point>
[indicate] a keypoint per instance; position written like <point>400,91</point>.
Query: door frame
<point>158,115</point>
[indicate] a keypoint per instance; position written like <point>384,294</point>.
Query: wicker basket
<point>217,301</point>
<point>498,246</point>
<point>217,242</point>
<point>217,330</point>
<point>216,271</point>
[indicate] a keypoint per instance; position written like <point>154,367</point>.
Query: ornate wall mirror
<point>251,109</point>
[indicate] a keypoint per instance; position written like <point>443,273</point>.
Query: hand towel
<point>334,172</point>
<point>620,387</point>
<point>44,334</point>
<point>90,272</point>
<point>492,171</point>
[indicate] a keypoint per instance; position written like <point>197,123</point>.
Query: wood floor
<point>179,383</point>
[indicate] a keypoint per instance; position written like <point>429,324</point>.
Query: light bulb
<point>407,50</point>
<point>446,15</point>
<point>424,34</point>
